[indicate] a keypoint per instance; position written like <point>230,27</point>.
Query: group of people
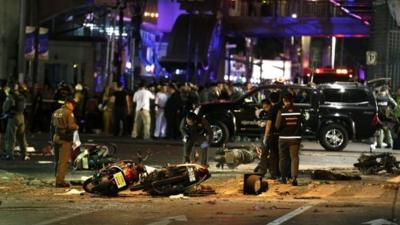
<point>156,111</point>
<point>281,139</point>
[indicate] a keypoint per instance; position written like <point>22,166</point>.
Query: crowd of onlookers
<point>148,111</point>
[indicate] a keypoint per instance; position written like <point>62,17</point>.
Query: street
<point>28,195</point>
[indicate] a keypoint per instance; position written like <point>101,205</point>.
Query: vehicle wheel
<point>88,186</point>
<point>334,137</point>
<point>220,133</point>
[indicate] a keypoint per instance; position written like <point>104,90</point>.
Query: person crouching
<point>195,130</point>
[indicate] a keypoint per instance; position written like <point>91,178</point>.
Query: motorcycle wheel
<point>88,185</point>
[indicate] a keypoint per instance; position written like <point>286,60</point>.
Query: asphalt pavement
<point>25,200</point>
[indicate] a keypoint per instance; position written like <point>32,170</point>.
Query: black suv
<point>332,113</point>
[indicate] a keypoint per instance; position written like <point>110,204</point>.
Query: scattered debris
<point>259,207</point>
<point>202,190</point>
<point>330,175</point>
<point>375,163</point>
<point>394,180</point>
<point>180,196</point>
<point>34,182</point>
<point>71,192</point>
<point>307,197</point>
<point>212,202</point>
<point>253,184</point>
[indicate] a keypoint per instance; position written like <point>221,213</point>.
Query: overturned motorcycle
<point>170,180</point>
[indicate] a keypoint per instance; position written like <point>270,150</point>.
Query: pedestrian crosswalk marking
<point>292,214</point>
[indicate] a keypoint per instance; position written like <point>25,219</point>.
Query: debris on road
<point>71,192</point>
<point>331,175</point>
<point>394,180</point>
<point>212,202</point>
<point>253,184</point>
<point>180,196</point>
<point>370,164</point>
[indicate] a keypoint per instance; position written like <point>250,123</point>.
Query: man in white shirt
<point>142,99</point>
<point>161,122</point>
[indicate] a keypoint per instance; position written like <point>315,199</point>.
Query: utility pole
<point>21,42</point>
<point>121,7</point>
<point>189,49</point>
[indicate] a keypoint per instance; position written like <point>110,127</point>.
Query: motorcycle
<point>173,179</point>
<point>170,180</point>
<point>114,178</point>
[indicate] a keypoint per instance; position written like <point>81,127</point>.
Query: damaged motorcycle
<point>170,180</point>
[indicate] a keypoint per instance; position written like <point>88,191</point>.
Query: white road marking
<point>292,214</point>
<point>168,220</point>
<point>58,219</point>
<point>380,222</point>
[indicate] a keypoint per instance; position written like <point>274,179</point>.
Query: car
<point>332,113</point>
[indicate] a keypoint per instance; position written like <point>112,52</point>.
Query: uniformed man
<point>288,123</point>
<point>63,126</point>
<point>14,107</point>
<point>386,105</point>
<point>270,155</point>
<point>195,130</point>
<point>262,166</point>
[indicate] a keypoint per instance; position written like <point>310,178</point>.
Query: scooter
<point>114,178</point>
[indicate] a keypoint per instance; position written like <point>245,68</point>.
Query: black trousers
<point>188,147</point>
<point>118,115</point>
<point>270,156</point>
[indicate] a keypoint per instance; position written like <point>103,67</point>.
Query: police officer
<point>386,104</point>
<point>270,155</point>
<point>262,166</point>
<point>63,126</point>
<point>288,123</point>
<point>195,130</point>
<point>14,107</point>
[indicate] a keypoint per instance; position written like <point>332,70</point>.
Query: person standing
<point>142,122</point>
<point>387,117</point>
<point>107,107</point>
<point>288,123</point>
<point>270,159</point>
<point>173,112</point>
<point>195,130</point>
<point>161,122</point>
<point>14,107</point>
<point>262,166</point>
<point>120,101</point>
<point>63,126</point>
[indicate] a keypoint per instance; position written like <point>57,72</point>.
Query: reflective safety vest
<point>289,123</point>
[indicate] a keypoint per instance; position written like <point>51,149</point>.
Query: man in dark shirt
<point>195,130</point>
<point>121,107</point>
<point>270,154</point>
<point>173,112</point>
